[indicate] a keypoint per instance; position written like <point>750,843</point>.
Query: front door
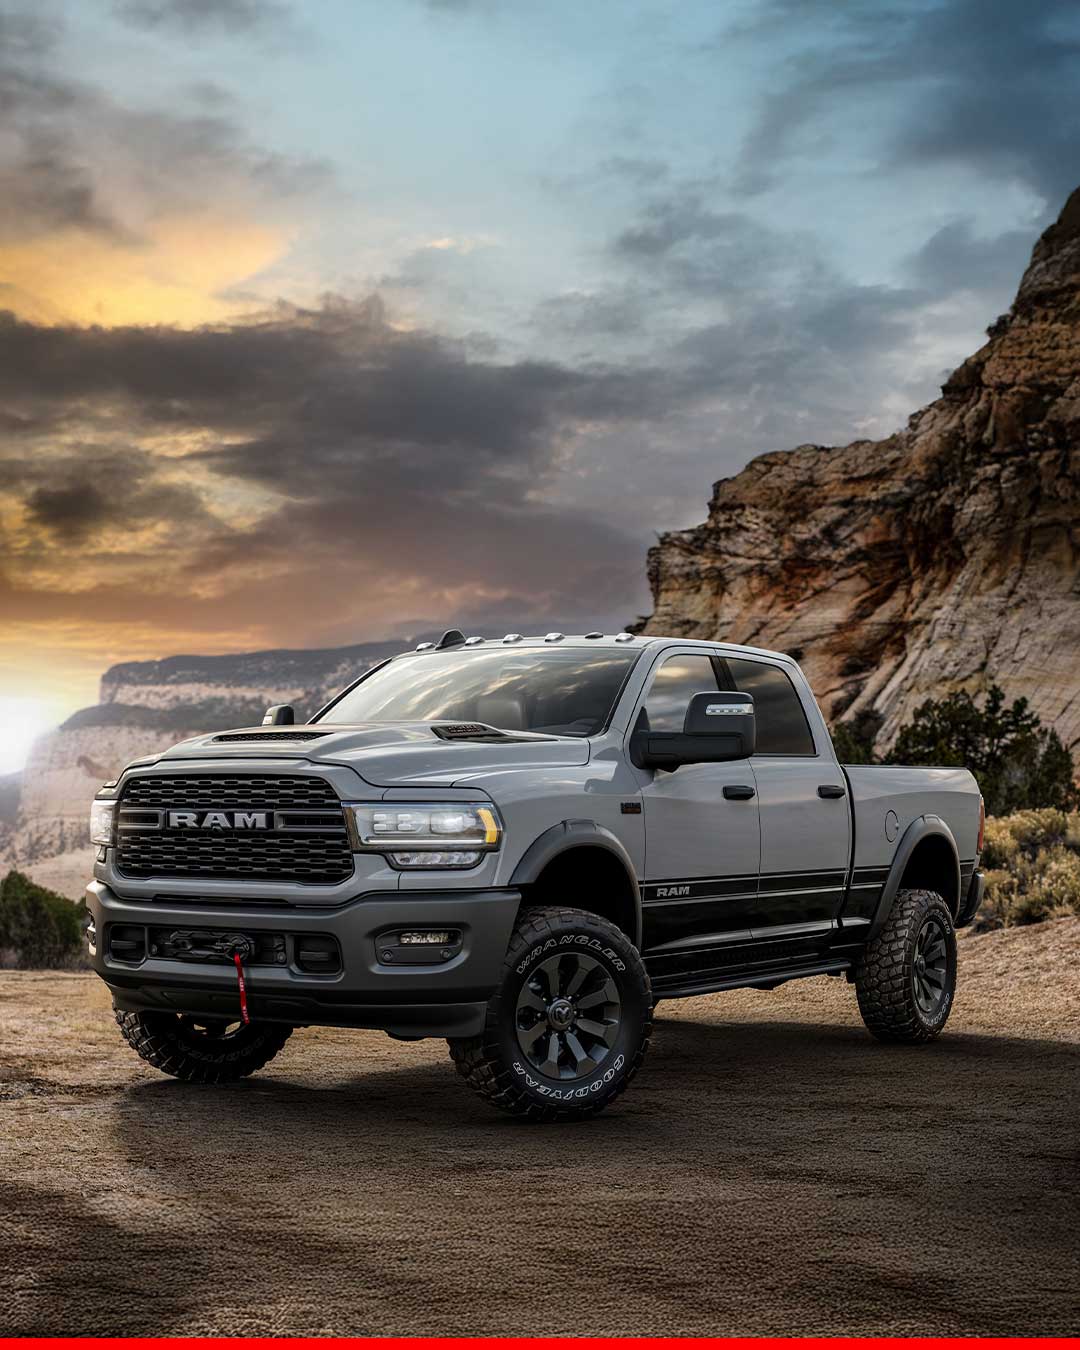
<point>702,838</point>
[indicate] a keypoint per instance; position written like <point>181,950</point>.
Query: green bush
<point>853,740</point>
<point>38,928</point>
<point>1019,763</point>
<point>1033,868</point>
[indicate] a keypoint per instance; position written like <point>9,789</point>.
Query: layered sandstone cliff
<point>947,556</point>
<point>144,707</point>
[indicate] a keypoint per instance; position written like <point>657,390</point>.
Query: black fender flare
<point>925,827</point>
<point>569,834</point>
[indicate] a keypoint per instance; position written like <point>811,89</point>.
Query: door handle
<point>738,792</point>
<point>831,790</point>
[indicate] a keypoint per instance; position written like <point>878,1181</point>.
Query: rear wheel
<point>906,979</point>
<point>202,1049</point>
<point>569,1022</point>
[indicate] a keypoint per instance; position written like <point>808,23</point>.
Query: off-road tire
<point>175,1045</point>
<point>493,1063</point>
<point>885,979</point>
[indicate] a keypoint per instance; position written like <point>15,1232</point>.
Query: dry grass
<point>1032,861</point>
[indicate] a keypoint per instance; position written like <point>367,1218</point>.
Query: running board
<point>761,980</point>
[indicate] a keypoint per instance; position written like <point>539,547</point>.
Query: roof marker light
<point>512,637</point>
<point>624,637</point>
<point>554,637</point>
<point>424,646</point>
<point>473,641</point>
<point>594,635</point>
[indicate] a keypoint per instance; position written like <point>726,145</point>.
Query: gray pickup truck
<point>522,845</point>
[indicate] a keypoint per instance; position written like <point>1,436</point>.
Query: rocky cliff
<point>145,706</point>
<point>946,556</point>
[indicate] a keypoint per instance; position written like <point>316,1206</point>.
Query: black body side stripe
<point>823,881</point>
<point>801,881</point>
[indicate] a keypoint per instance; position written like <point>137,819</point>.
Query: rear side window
<point>782,728</point>
<point>673,684</point>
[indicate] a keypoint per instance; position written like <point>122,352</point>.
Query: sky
<point>326,322</point>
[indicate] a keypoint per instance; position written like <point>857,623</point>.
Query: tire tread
<point>883,977</point>
<point>152,1036</point>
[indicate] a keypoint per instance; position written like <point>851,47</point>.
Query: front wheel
<point>906,979</point>
<point>569,1022</point>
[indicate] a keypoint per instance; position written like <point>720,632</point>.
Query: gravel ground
<point>772,1171</point>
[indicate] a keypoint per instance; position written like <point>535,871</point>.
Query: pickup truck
<point>522,845</point>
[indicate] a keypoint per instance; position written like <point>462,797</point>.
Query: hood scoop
<point>480,731</point>
<point>469,731</point>
<point>297,735</point>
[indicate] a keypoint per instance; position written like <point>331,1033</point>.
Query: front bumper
<point>410,1000</point>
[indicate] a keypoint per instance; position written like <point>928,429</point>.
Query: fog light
<point>429,858</point>
<point>419,946</point>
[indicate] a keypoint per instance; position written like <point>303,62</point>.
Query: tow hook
<point>241,950</point>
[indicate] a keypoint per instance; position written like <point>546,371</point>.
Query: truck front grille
<point>292,850</point>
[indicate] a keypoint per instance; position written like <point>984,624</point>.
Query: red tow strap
<point>244,1015</point>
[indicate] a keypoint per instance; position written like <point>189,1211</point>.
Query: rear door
<point>805,813</point>
<point>702,837</point>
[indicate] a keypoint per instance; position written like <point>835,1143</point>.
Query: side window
<point>782,728</point>
<point>677,678</point>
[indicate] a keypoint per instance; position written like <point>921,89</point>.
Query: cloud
<point>955,257</point>
<point>234,17</point>
<point>983,85</point>
<point>307,452</point>
<point>115,214</point>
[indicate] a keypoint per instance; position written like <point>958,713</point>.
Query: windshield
<point>566,693</point>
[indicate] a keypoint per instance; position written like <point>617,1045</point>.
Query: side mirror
<point>280,715</point>
<point>718,727</point>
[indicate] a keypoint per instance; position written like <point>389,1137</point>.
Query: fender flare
<point>924,827</point>
<point>570,834</point>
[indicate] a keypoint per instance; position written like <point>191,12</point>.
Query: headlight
<point>102,818</point>
<point>425,834</point>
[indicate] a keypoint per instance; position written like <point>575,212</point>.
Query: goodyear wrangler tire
<point>201,1051</point>
<point>569,1022</point>
<point>906,979</point>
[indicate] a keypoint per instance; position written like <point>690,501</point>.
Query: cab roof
<point>634,641</point>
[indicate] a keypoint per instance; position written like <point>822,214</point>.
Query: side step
<point>765,979</point>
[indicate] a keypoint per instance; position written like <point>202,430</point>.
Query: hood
<point>393,754</point>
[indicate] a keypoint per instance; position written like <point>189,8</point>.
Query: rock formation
<point>947,556</point>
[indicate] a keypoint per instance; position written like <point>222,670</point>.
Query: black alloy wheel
<point>930,967</point>
<point>568,1016</point>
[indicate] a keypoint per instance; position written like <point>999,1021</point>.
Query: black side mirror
<point>280,715</point>
<point>718,727</point>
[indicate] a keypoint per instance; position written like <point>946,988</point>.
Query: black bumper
<point>401,997</point>
<point>971,902</point>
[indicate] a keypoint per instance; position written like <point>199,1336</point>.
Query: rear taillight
<point>982,825</point>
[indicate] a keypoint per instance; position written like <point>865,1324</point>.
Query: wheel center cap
<point>920,963</point>
<point>560,1014</point>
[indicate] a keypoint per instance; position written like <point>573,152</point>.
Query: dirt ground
<point>771,1171</point>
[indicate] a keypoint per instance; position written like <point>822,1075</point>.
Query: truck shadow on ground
<point>761,1177</point>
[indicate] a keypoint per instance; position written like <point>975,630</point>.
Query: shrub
<point>1019,763</point>
<point>38,928</point>
<point>1033,868</point>
<point>853,740</point>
